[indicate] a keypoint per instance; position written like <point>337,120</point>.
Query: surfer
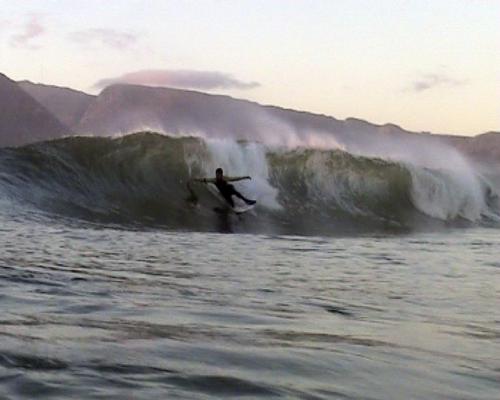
<point>226,189</point>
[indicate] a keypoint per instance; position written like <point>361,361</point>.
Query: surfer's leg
<point>228,198</point>
<point>226,192</point>
<point>240,196</point>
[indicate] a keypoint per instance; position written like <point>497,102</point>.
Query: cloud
<point>4,24</point>
<point>180,78</point>
<point>31,30</point>
<point>430,81</point>
<point>108,37</point>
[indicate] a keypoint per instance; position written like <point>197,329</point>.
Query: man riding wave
<point>226,189</point>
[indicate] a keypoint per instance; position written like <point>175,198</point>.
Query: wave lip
<point>142,179</point>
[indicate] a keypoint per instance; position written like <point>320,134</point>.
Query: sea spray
<point>447,194</point>
<point>244,159</point>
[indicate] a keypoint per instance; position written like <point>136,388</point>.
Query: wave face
<point>143,179</point>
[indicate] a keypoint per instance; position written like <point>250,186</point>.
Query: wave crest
<point>141,178</point>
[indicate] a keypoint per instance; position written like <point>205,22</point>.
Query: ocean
<point>357,276</point>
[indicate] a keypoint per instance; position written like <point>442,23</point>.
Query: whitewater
<point>368,269</point>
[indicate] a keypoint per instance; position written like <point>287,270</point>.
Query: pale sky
<point>424,65</point>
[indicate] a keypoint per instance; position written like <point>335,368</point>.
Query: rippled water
<point>90,312</point>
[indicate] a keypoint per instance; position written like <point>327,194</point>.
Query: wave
<point>143,179</point>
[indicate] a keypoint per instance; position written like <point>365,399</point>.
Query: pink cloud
<point>108,37</point>
<point>32,29</point>
<point>4,24</point>
<point>430,81</point>
<point>179,78</point>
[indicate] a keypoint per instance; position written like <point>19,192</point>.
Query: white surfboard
<point>243,209</point>
<point>237,210</point>
<point>239,206</point>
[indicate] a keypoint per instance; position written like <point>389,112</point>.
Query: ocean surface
<point>355,277</point>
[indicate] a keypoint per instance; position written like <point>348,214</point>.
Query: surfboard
<point>237,209</point>
<point>243,209</point>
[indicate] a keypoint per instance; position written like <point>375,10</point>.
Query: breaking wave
<point>143,179</point>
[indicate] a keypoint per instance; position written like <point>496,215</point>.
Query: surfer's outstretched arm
<point>236,178</point>
<point>204,180</point>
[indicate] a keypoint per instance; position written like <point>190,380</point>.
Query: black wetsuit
<point>227,190</point>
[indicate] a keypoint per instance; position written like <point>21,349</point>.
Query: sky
<point>421,64</point>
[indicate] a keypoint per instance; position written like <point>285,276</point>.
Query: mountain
<point>68,105</point>
<point>484,147</point>
<point>23,119</point>
<point>130,108</point>
<point>122,109</point>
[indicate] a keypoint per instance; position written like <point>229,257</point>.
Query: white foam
<point>242,159</point>
<point>447,194</point>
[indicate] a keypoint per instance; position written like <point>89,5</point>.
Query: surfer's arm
<point>204,180</point>
<point>236,178</point>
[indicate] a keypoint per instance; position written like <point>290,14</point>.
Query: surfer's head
<point>219,173</point>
